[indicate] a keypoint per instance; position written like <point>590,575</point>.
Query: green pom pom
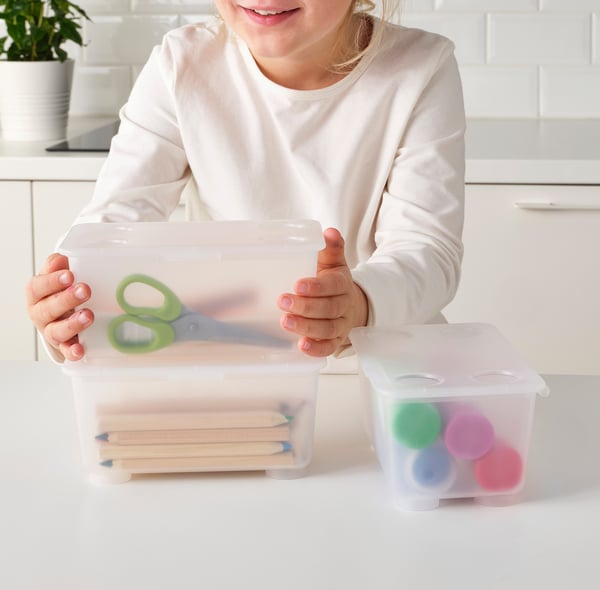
<point>415,425</point>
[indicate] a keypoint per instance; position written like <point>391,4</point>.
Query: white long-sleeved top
<point>378,155</point>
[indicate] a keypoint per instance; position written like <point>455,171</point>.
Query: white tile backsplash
<point>418,5</point>
<point>539,39</point>
<point>570,92</point>
<point>501,91</point>
<point>570,5</point>
<point>178,6</point>
<point>190,19</point>
<point>105,6</point>
<point>518,58</point>
<point>488,5</point>
<point>125,39</point>
<point>466,30</point>
<point>100,90</point>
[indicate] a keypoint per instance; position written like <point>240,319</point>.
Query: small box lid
<point>443,360</point>
<point>193,239</point>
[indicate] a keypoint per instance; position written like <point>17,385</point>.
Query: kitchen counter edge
<point>498,151</point>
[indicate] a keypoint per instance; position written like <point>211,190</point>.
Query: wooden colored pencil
<point>112,451</point>
<point>279,433</point>
<point>182,464</point>
<point>190,420</point>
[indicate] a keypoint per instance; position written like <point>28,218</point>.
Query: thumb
<point>332,255</point>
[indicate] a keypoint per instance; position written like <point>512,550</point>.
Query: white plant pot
<point>34,99</point>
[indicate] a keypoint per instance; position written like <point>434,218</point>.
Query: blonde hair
<point>352,47</point>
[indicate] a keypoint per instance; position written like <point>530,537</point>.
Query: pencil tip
<point>107,463</point>
<point>103,436</point>
<point>289,417</point>
<point>286,446</point>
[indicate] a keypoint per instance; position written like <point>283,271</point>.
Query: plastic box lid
<point>443,360</point>
<point>290,363</point>
<point>192,239</point>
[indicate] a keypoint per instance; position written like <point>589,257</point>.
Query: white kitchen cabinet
<point>18,342</point>
<point>55,206</point>
<point>531,267</point>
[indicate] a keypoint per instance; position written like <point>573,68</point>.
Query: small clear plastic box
<point>450,409</point>
<point>171,418</point>
<point>228,272</point>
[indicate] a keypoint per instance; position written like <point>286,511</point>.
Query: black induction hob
<point>97,140</point>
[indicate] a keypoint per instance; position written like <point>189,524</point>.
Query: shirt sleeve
<point>415,269</point>
<point>146,169</point>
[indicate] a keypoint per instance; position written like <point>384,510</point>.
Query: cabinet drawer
<point>531,268</point>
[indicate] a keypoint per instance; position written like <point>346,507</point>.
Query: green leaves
<point>36,29</point>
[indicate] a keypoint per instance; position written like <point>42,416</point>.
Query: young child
<point>282,109</point>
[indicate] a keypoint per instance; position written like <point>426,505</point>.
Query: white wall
<point>518,58</point>
<point>521,58</point>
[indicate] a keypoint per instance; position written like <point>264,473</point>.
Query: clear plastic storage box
<point>186,366</point>
<point>450,411</point>
<point>190,289</point>
<point>195,418</point>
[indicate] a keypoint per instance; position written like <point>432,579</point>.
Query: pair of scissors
<point>172,322</point>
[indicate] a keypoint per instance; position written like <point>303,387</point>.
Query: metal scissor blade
<point>193,326</point>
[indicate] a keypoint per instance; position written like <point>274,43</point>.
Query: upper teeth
<point>268,12</point>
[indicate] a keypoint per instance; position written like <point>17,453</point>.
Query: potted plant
<point>36,73</point>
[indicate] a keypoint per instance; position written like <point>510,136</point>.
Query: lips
<point>269,16</point>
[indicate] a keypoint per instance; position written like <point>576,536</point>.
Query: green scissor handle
<point>154,319</point>
<point>168,311</point>
<point>162,334</point>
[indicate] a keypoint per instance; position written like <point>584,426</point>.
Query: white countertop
<point>335,528</point>
<point>513,151</point>
<point>29,160</point>
<point>533,151</point>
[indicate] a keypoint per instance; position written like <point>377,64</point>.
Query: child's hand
<point>52,296</point>
<point>325,308</point>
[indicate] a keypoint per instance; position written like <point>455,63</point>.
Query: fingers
<point>59,324</point>
<point>319,348</point>
<point>321,303</point>
<point>51,298</point>
<point>319,309</point>
<point>322,322</point>
<point>43,285</point>
<point>54,276</point>
<point>323,309</point>
<point>63,334</point>
<point>55,262</point>
<point>71,351</point>
<point>319,337</point>
<point>51,301</point>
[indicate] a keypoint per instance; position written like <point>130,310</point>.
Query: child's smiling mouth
<point>267,12</point>
<point>270,15</point>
